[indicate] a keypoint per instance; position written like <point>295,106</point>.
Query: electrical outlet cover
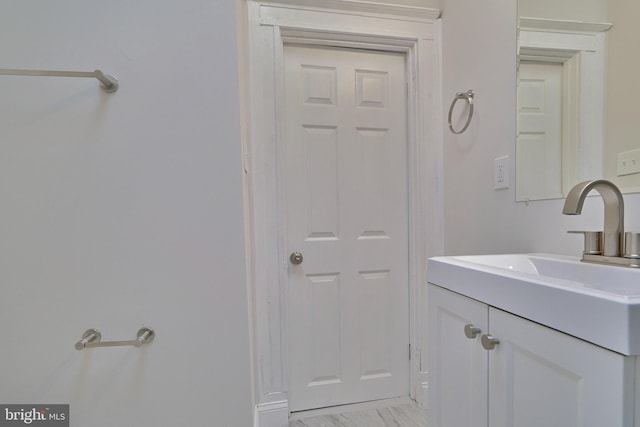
<point>501,173</point>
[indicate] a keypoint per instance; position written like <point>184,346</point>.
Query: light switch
<point>629,162</point>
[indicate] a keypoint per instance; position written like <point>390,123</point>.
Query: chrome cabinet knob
<point>489,342</point>
<point>471,331</point>
<point>296,258</point>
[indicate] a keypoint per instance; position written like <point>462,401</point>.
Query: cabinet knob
<point>471,331</point>
<point>489,342</point>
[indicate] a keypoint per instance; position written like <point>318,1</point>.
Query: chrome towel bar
<point>468,96</point>
<point>92,338</point>
<point>108,82</point>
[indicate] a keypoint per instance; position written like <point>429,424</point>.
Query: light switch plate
<point>629,162</point>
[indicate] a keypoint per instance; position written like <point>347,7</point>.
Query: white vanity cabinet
<point>535,376</point>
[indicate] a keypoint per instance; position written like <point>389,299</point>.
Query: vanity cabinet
<point>534,376</point>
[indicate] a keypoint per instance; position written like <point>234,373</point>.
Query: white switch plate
<point>501,173</point>
<point>629,162</point>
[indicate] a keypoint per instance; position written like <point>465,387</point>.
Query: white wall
<point>479,53</point>
<point>124,209</point>
<point>623,66</point>
<point>435,4</point>
<point>572,10</point>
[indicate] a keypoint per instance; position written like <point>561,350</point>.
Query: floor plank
<point>406,415</point>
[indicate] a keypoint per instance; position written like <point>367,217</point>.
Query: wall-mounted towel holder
<point>108,82</point>
<point>92,338</point>
<point>468,96</point>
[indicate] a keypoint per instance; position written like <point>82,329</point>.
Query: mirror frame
<point>581,48</point>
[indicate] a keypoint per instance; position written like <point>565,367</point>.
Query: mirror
<point>578,115</point>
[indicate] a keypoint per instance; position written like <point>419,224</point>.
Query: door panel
<point>531,358</point>
<point>347,213</point>
<point>457,364</point>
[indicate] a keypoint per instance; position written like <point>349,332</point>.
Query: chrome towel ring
<point>468,96</point>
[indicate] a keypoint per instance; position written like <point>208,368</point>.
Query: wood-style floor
<point>398,415</point>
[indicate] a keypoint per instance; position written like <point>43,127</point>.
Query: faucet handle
<point>631,245</point>
<point>592,241</point>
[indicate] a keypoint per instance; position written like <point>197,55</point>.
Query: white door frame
<point>413,31</point>
<point>581,47</point>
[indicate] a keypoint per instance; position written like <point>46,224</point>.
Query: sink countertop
<point>597,303</point>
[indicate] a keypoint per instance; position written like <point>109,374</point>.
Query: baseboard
<point>423,402</point>
<point>272,414</point>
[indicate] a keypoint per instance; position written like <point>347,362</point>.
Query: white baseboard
<point>423,400</point>
<point>272,414</point>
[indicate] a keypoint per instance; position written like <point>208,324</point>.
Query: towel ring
<point>468,96</point>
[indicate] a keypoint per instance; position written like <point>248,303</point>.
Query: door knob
<point>296,258</point>
<point>489,342</point>
<point>471,331</point>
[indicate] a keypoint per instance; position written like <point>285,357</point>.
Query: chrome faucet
<point>613,212</point>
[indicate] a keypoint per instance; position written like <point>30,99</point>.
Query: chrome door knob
<point>296,258</point>
<point>489,342</point>
<point>471,331</point>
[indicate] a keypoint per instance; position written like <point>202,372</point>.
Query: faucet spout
<point>613,211</point>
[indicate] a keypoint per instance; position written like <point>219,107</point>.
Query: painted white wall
<point>572,10</point>
<point>479,42</point>
<point>435,4</point>
<point>622,70</point>
<point>124,209</point>
<point>479,53</point>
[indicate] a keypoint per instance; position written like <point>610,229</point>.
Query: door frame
<point>413,31</point>
<point>581,48</point>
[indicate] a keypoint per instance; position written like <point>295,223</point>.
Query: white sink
<point>597,303</point>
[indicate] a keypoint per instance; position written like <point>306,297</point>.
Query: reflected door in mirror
<point>539,142</point>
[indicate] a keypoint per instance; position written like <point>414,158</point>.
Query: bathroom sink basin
<point>620,281</point>
<point>598,303</point>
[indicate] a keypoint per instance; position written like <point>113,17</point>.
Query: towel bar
<point>92,338</point>
<point>109,83</point>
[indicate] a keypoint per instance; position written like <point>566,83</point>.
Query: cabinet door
<point>541,377</point>
<point>457,364</point>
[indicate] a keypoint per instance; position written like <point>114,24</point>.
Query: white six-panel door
<point>347,214</point>
<point>539,142</point>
